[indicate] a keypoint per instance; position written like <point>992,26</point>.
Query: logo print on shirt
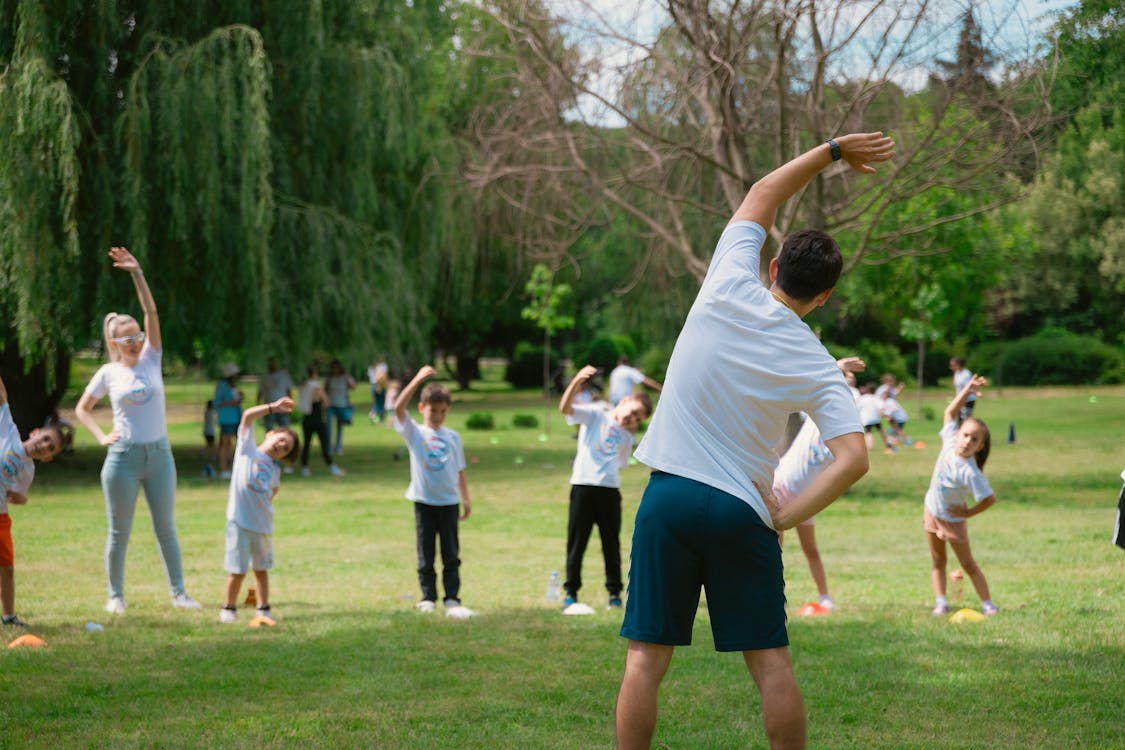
<point>611,438</point>
<point>259,476</point>
<point>818,454</point>
<point>11,466</point>
<point>139,393</point>
<point>436,454</point>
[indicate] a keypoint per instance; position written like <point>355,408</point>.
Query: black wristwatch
<point>835,149</point>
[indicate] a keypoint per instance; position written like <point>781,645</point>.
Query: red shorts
<point>7,551</point>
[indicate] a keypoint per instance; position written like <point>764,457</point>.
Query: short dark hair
<point>436,393</point>
<point>644,400</point>
<point>810,262</point>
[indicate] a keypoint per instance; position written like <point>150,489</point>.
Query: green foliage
<point>525,369</point>
<point>525,420</point>
<point>936,365</point>
<point>604,351</point>
<point>654,362</point>
<point>480,420</point>
<point>546,301</point>
<point>880,358</point>
<point>1056,357</point>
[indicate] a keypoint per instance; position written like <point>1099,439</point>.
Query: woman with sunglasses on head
<point>139,453</point>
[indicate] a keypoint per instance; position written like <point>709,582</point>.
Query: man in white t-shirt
<point>624,379</point>
<point>962,376</point>
<point>605,442</point>
<point>276,384</point>
<point>743,362</point>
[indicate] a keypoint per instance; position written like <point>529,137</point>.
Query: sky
<point>1013,28</point>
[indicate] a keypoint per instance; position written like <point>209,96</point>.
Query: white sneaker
<point>115,606</point>
<point>827,603</point>
<point>183,601</point>
<point>225,475</point>
<point>336,471</point>
<point>305,471</point>
<point>287,469</point>
<point>259,612</point>
<point>458,612</point>
<point>425,606</point>
<point>228,615</point>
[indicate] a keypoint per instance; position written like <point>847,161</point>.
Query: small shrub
<point>525,420</point>
<point>880,358</point>
<point>654,363</point>
<point>1060,358</point>
<point>604,351</point>
<point>525,369</point>
<point>480,420</point>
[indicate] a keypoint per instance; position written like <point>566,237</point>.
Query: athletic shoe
<point>305,471</point>
<point>264,612</point>
<point>115,606</point>
<point>183,601</point>
<point>827,603</point>
<point>425,606</point>
<point>336,471</point>
<point>225,475</point>
<point>569,600</point>
<point>989,608</point>
<point>13,621</point>
<point>940,609</point>
<point>458,612</point>
<point>228,615</point>
<point>615,602</point>
<point>286,469</point>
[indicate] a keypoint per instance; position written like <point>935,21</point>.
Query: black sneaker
<point>615,602</point>
<point>15,622</point>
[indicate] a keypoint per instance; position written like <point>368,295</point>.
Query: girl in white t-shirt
<point>138,450</point>
<point>957,476</point>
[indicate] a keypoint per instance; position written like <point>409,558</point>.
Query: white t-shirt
<point>436,462</point>
<point>870,409</point>
<point>802,463</point>
<point>253,479</point>
<point>961,379</point>
<point>603,447</point>
<point>377,375</point>
<point>305,395</point>
<point>17,470</point>
<point>742,364</point>
<point>276,385</point>
<point>954,479</point>
<point>136,394</point>
<point>894,411</point>
<point>622,380</point>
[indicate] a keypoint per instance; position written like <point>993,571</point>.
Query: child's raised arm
<point>407,393</point>
<point>972,387</point>
<point>566,403</point>
<point>283,405</point>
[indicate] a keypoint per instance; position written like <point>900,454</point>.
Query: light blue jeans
<point>127,467</point>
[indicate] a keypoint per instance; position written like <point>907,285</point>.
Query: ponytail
<point>108,328</point>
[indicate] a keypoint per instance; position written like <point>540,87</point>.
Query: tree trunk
<point>921,369</point>
<point>32,401</point>
<point>547,381</point>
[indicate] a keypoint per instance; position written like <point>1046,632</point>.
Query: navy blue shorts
<point>690,536</point>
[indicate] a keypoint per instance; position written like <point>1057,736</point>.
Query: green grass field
<point>351,664</point>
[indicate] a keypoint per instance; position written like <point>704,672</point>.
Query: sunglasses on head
<point>136,338</point>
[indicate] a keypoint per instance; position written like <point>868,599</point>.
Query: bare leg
<point>972,570</point>
<point>234,583</point>
<point>262,577</point>
<point>645,666</point>
<point>783,709</point>
<point>807,535</point>
<point>8,589</point>
<point>938,561</point>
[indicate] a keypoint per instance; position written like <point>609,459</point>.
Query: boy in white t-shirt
<point>438,488</point>
<point>255,480</point>
<point>605,442</point>
<point>17,470</point>
<point>962,376</point>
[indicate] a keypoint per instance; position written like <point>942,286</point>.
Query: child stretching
<point>804,460</point>
<point>957,473</point>
<point>17,470</point>
<point>605,442</point>
<point>437,487</point>
<point>255,479</point>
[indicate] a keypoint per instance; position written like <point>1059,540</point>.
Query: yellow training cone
<point>965,615</point>
<point>29,640</point>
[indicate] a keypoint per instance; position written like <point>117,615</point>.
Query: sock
<point>231,607</point>
<point>941,601</point>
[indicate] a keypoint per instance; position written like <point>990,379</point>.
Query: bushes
<point>525,370</point>
<point>1056,357</point>
<point>604,351</point>
<point>880,358</point>
<point>526,421</point>
<point>480,420</point>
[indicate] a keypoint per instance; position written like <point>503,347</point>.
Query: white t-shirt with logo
<point>253,479</point>
<point>954,479</point>
<point>136,394</point>
<point>436,462</point>
<point>742,364</point>
<point>603,447</point>
<point>802,463</point>
<point>17,469</point>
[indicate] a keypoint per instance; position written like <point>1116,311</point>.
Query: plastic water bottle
<point>553,586</point>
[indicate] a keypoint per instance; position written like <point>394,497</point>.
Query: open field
<point>350,663</point>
